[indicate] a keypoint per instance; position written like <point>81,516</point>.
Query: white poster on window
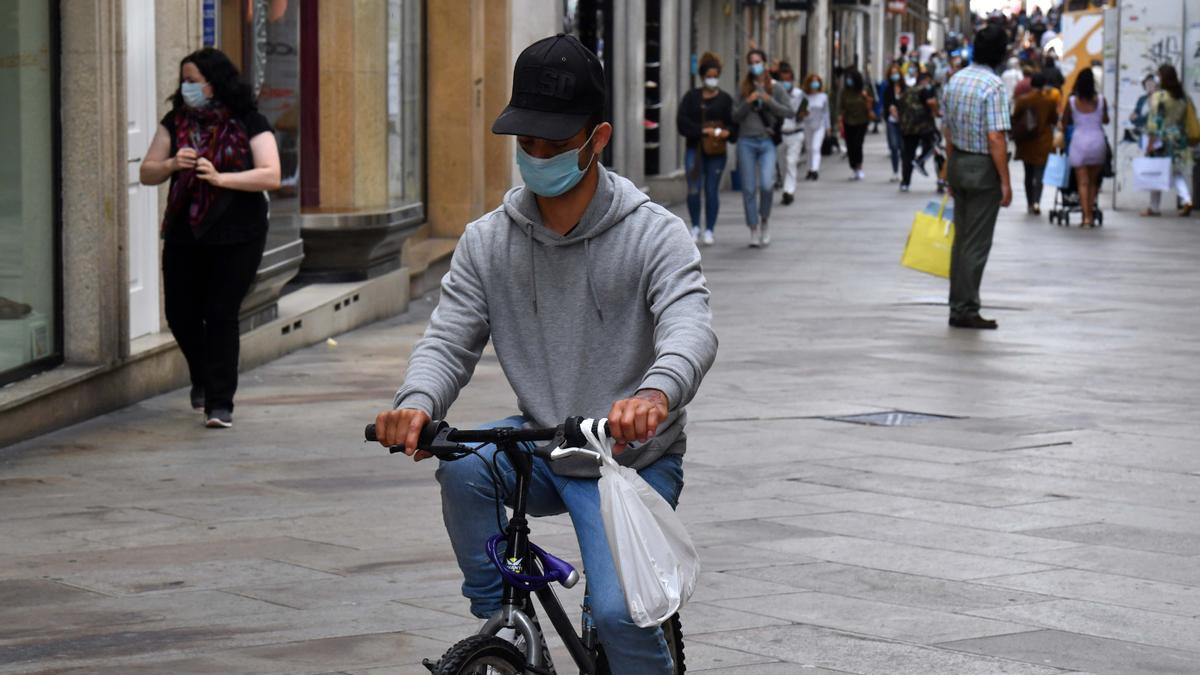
<point>1152,34</point>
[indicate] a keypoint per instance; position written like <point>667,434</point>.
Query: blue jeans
<point>706,177</point>
<point>895,141</point>
<point>756,166</point>
<point>468,508</point>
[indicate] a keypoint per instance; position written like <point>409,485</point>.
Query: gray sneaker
<point>764,235</point>
<point>755,238</point>
<point>220,419</point>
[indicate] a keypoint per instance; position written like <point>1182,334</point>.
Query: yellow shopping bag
<point>929,242</point>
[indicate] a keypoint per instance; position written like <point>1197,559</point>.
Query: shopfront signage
<point>897,6</point>
<point>208,22</point>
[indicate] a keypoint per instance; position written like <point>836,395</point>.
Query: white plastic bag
<point>1151,173</point>
<point>656,562</point>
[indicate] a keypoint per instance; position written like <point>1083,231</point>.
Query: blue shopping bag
<point>1057,172</point>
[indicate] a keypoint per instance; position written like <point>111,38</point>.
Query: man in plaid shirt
<point>974,124</point>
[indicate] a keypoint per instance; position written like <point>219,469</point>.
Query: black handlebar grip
<point>369,432</point>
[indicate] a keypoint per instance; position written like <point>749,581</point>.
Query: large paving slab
<point>1048,525</point>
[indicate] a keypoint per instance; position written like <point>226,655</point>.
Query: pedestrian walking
<point>1086,113</point>
<point>705,119</point>
<point>1012,76</point>
<point>976,118</point>
<point>762,103</point>
<point>893,91</point>
<point>855,108</point>
<point>814,113</point>
<point>1033,121</point>
<point>220,155</point>
<point>1141,112</point>
<point>918,110</point>
<point>571,259</point>
<point>792,133</point>
<point>1166,136</point>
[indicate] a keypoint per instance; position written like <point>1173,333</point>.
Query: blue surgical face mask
<point>895,77</point>
<point>553,176</point>
<point>815,86</point>
<point>787,86</point>
<point>757,69</point>
<point>193,94</point>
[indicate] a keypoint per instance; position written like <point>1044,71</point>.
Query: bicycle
<point>485,653</point>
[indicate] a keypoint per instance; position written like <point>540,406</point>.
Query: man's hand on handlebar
<point>402,427</point>
<point>637,418</point>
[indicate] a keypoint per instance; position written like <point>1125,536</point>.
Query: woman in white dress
<point>814,110</point>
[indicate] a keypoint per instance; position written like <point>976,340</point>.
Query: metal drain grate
<point>894,418</point>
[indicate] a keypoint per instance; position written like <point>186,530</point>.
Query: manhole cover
<point>893,418</point>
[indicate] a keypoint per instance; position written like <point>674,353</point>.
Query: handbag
<point>1057,172</point>
<point>930,240</point>
<point>775,128</point>
<point>656,562</point>
<point>1151,174</point>
<point>1025,125</point>
<point>827,144</point>
<point>710,145</point>
<point>1191,125</point>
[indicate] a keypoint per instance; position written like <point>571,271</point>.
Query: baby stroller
<point>1066,202</point>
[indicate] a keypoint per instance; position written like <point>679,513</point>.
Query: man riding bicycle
<point>594,300</point>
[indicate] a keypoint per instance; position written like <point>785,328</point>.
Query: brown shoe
<point>1151,212</point>
<point>1185,210</point>
<point>973,321</point>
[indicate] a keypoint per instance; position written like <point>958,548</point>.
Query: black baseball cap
<point>558,85</point>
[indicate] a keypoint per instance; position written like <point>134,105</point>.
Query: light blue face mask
<point>787,86</point>
<point>815,85</point>
<point>193,94</point>
<point>553,176</point>
<point>757,68</point>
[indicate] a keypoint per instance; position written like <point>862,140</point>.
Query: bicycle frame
<point>517,553</point>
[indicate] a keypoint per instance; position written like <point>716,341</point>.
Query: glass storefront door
<point>29,257</point>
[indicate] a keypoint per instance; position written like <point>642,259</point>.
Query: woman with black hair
<point>1087,112</point>
<point>894,89</point>
<point>1166,136</point>
<point>705,119</point>
<point>220,156</point>
<point>855,108</point>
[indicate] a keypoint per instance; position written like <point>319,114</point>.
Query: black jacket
<point>690,118</point>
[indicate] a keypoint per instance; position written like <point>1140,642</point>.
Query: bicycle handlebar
<point>441,440</point>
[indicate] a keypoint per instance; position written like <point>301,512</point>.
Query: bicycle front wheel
<point>481,655</point>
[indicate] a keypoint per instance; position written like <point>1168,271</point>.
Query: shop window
<point>404,105</point>
<point>30,325</point>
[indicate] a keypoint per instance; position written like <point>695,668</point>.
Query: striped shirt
<point>976,102</point>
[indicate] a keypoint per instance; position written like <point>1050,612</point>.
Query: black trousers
<point>204,286</point>
<point>908,154</point>
<point>855,134</point>
<point>1033,182</point>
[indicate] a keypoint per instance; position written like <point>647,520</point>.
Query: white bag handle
<point>600,443</point>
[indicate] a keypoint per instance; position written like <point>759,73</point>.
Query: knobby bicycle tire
<point>473,656</point>
<point>672,632</point>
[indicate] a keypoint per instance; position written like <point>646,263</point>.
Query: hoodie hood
<point>616,197</point>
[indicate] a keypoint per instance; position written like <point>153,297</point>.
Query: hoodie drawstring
<point>587,270</point>
<point>532,268</point>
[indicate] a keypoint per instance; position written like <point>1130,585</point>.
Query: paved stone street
<point>1050,525</point>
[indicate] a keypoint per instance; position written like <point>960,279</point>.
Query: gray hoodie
<point>578,321</point>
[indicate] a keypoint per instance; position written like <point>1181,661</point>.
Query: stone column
<point>497,86</point>
<point>94,203</point>
<point>353,91</point>
<point>818,40</point>
<point>629,95</point>
<point>456,121</point>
